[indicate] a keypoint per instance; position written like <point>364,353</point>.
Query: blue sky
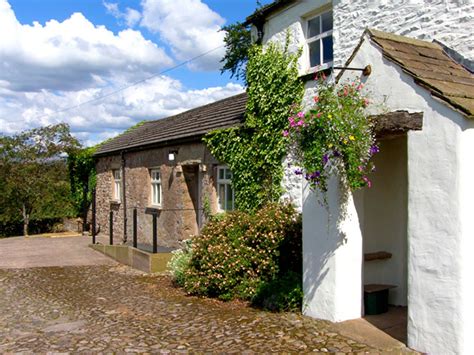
<point>60,53</point>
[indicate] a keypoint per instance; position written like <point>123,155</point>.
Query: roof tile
<point>193,123</point>
<point>431,67</point>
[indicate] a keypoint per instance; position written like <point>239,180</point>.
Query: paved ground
<point>112,308</point>
<point>54,250</point>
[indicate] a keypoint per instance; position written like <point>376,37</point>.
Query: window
<point>156,194</point>
<point>117,196</point>
<point>319,39</point>
<point>224,189</point>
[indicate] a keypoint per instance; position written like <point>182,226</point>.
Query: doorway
<point>385,236</point>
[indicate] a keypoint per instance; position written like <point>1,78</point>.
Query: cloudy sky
<point>58,54</point>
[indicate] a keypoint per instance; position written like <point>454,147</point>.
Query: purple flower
<point>298,171</point>
<point>374,149</point>
<point>325,159</point>
<point>336,154</point>
<point>315,175</point>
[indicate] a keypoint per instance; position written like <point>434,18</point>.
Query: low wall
<point>138,259</point>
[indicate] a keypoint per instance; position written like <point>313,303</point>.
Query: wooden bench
<point>376,298</point>
<point>378,255</point>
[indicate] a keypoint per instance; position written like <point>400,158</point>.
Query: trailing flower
<point>334,137</point>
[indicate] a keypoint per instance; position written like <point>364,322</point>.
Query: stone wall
<point>449,22</point>
<point>186,183</point>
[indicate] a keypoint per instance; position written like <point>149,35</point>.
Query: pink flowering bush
<point>240,254</point>
<point>334,137</point>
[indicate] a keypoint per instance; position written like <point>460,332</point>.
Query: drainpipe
<point>259,24</point>
<point>124,194</point>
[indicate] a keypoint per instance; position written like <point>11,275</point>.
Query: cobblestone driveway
<point>115,309</point>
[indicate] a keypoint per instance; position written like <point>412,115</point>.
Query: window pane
<point>228,174</point>
<point>315,53</point>
<point>222,197</point>
<point>158,194</point>
<point>327,49</point>
<point>229,201</point>
<point>326,19</point>
<point>221,174</point>
<point>313,27</point>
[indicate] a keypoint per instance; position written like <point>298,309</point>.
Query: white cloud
<point>70,55</point>
<point>130,16</point>
<point>190,27</point>
<point>159,97</point>
<point>46,68</point>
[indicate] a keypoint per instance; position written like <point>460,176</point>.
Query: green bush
<point>239,253</point>
<point>283,293</point>
<point>179,262</point>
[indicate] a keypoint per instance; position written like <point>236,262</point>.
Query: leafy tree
<point>237,43</point>
<point>82,175</point>
<point>34,174</point>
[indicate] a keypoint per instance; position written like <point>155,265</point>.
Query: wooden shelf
<point>377,287</point>
<point>379,255</point>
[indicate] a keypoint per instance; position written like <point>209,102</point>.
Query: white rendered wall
<point>467,217</point>
<point>437,278</point>
<point>448,21</point>
<point>332,258</point>
<point>385,219</point>
<point>292,185</point>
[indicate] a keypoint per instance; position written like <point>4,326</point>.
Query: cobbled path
<point>104,309</point>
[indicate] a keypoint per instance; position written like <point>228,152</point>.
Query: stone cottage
<point>419,211</point>
<point>163,168</point>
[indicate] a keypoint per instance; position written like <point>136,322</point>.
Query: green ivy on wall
<point>254,152</point>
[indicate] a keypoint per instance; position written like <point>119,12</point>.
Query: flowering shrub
<point>335,137</point>
<point>234,256</point>
<point>179,262</point>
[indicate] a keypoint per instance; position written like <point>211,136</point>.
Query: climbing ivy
<point>254,152</point>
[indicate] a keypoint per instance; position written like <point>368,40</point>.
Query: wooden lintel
<point>397,123</point>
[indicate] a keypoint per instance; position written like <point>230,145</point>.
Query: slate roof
<point>189,125</point>
<point>431,68</point>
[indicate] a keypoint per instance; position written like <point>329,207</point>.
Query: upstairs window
<point>319,39</point>
<point>224,189</point>
<point>156,190</point>
<point>117,195</point>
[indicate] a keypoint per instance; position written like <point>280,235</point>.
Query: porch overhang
<point>396,123</point>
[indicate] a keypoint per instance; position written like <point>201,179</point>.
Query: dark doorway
<point>191,198</point>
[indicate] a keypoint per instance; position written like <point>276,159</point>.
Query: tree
<point>82,175</point>
<point>34,174</point>
<point>237,44</point>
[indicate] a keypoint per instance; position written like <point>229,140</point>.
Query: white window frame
<point>117,190</point>
<point>319,38</point>
<point>225,182</point>
<point>156,187</point>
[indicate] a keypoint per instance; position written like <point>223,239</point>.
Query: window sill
<point>153,209</point>
<point>115,202</point>
<point>312,74</point>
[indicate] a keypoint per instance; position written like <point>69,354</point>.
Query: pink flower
<point>366,102</point>
<point>367,181</point>
<point>300,114</point>
<point>360,86</point>
<point>316,99</point>
<point>319,114</point>
<point>285,133</point>
<point>300,123</point>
